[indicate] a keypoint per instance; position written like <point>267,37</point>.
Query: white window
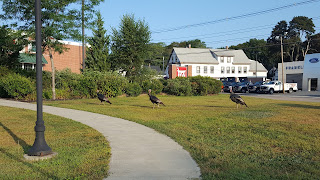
<point>228,59</point>
<point>245,70</point>
<point>228,70</point>
<point>205,69</point>
<point>233,69</point>
<point>222,59</point>
<point>198,69</point>
<point>239,69</point>
<point>211,69</point>
<point>222,70</point>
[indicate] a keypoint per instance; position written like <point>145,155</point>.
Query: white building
<point>306,73</point>
<point>222,64</point>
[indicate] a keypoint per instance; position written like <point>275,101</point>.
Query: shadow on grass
<point>300,106</point>
<point>18,140</point>
<point>145,106</point>
<point>34,168</point>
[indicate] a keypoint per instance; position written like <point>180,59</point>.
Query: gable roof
<point>256,66</point>
<point>239,56</point>
<point>195,56</point>
<point>30,58</point>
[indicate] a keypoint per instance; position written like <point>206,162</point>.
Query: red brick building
<point>72,58</point>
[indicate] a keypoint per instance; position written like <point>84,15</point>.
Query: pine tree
<point>97,55</point>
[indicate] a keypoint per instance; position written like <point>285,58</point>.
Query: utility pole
<point>163,63</point>
<point>282,64</point>
<point>83,49</point>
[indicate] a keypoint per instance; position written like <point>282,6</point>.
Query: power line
<point>256,47</point>
<point>226,33</point>
<point>236,17</point>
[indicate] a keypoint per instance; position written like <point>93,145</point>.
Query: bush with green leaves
<point>109,83</point>
<point>154,84</point>
<point>178,86</point>
<point>16,86</point>
<point>204,85</point>
<point>133,89</point>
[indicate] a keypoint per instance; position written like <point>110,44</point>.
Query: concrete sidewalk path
<point>138,152</point>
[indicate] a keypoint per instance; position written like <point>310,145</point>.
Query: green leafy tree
<point>156,54</point>
<point>300,28</point>
<point>315,44</point>
<point>11,43</point>
<point>130,45</point>
<point>60,20</point>
<point>256,49</point>
<point>97,55</point>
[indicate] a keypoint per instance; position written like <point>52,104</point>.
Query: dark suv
<point>255,87</point>
<point>227,85</point>
<point>241,87</point>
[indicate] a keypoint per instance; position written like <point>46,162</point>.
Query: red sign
<point>181,71</point>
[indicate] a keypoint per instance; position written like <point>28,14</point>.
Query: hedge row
<point>21,85</point>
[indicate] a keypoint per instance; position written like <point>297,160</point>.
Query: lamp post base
<point>37,158</point>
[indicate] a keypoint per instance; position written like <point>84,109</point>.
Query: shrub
<point>133,89</point>
<point>109,83</point>
<point>179,87</point>
<point>205,85</point>
<point>154,84</point>
<point>16,86</point>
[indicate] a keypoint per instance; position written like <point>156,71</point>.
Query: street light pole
<point>282,64</point>
<point>40,147</point>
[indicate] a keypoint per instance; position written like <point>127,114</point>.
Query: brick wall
<point>72,59</point>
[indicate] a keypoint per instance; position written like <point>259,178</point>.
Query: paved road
<point>138,152</point>
<point>311,96</point>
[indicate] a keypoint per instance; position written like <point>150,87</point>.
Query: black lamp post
<point>40,147</point>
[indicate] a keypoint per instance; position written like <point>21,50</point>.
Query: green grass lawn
<point>269,140</point>
<point>83,153</point>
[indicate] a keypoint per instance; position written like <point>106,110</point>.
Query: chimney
<point>189,45</point>
<point>227,47</point>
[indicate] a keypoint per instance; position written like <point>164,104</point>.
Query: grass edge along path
<point>269,140</point>
<point>83,153</point>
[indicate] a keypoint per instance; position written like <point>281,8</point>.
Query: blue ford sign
<point>314,60</point>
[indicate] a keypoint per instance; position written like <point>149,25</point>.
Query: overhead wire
<point>235,17</point>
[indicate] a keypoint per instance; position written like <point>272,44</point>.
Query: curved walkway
<point>138,152</point>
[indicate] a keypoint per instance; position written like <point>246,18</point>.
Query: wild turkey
<point>102,97</point>
<point>236,98</point>
<point>154,99</point>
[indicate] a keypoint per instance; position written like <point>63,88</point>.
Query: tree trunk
<point>53,75</point>
<point>307,49</point>
<point>297,56</point>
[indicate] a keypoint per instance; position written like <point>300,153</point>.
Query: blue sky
<point>168,14</point>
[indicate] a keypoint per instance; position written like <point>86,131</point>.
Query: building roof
<point>195,56</point>
<point>256,66</point>
<point>239,56</point>
<point>30,58</point>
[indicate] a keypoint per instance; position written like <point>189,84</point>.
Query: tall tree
<point>11,42</point>
<point>300,28</point>
<point>130,45</point>
<point>256,49</point>
<point>156,54</point>
<point>97,56</point>
<point>60,20</point>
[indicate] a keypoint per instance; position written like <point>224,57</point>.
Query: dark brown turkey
<point>102,97</point>
<point>237,99</point>
<point>154,99</point>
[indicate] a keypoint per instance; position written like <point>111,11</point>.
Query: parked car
<point>241,87</point>
<point>227,85</point>
<point>255,87</point>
